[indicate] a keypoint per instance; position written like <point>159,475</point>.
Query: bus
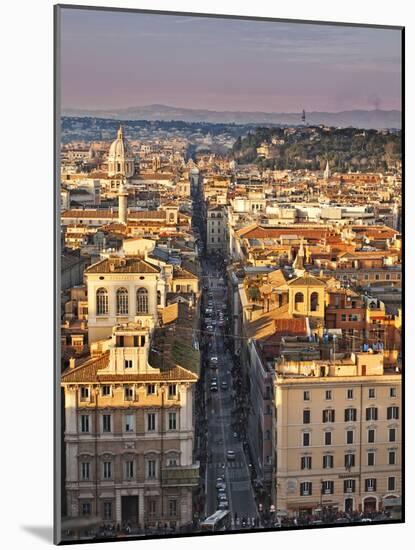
<point>219,521</point>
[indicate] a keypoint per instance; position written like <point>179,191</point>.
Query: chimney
<point>72,361</point>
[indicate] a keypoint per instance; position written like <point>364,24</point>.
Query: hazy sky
<point>115,60</point>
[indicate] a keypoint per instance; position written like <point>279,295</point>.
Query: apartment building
<point>337,436</point>
<point>129,434</point>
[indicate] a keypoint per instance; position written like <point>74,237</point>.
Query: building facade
<point>337,436</point>
<point>129,435</point>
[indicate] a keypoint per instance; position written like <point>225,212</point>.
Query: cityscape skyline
<point>234,64</point>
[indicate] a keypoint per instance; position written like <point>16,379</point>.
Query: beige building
<point>337,436</point>
<point>122,289</point>
<point>129,434</point>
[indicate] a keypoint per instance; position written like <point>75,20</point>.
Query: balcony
<point>181,476</point>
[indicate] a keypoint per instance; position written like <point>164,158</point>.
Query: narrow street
<point>219,402</point>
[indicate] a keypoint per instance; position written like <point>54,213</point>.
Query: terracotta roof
<point>291,326</point>
<point>264,326</point>
<point>148,214</point>
<point>87,373</point>
<point>89,214</point>
<point>307,280</point>
<point>132,265</point>
<point>276,232</point>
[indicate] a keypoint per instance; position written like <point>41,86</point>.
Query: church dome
<point>121,157</point>
<point>120,148</point>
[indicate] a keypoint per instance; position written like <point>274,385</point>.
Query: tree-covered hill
<point>311,147</point>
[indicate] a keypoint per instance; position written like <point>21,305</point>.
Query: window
<point>122,301</point>
<point>298,299</point>
<point>370,484</point>
<point>349,437</point>
<point>306,396</point>
<point>392,392</point>
<point>370,458</point>
<point>159,298</point>
<point>350,394</point>
<point>85,423</point>
<point>393,413</point>
<point>129,469</point>
<point>142,301</point>
<point>152,508</point>
<point>172,391</point>
<point>151,469</point>
<point>107,470</point>
<point>306,488</point>
<point>306,439</point>
<point>371,435</point>
<point>172,421</point>
<point>151,389</point>
<point>327,487</point>
<point>328,461</point>
<point>306,462</point>
<point>84,393</point>
<point>328,415</point>
<point>102,301</point>
<point>106,391</point>
<point>349,460</point>
<point>106,422</point>
<point>128,363</point>
<point>350,415</point>
<point>372,393</point>
<point>171,462</point>
<point>371,413</point>
<point>344,317</point>
<point>85,471</point>
<point>328,395</point>
<point>306,416</point>
<point>391,458</point>
<point>128,393</point>
<point>86,509</point>
<point>349,485</point>
<point>151,422</point>
<point>107,510</point>
<point>172,507</point>
<point>129,423</point>
<point>314,301</point>
<point>327,438</point>
<point>391,484</point>
<point>392,435</point>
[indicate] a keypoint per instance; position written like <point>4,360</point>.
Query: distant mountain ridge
<point>375,119</point>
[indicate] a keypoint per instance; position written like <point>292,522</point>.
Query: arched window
<point>102,301</point>
<point>122,301</point>
<point>298,299</point>
<point>142,300</point>
<point>314,301</point>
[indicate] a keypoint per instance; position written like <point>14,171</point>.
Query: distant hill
<point>375,119</point>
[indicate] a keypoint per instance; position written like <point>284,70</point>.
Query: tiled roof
<point>87,373</point>
<point>307,280</point>
<point>132,265</point>
<point>89,214</point>
<point>148,215</point>
<point>276,232</point>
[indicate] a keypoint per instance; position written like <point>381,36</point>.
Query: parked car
<point>224,385</point>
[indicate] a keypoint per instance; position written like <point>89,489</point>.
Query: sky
<point>113,60</point>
